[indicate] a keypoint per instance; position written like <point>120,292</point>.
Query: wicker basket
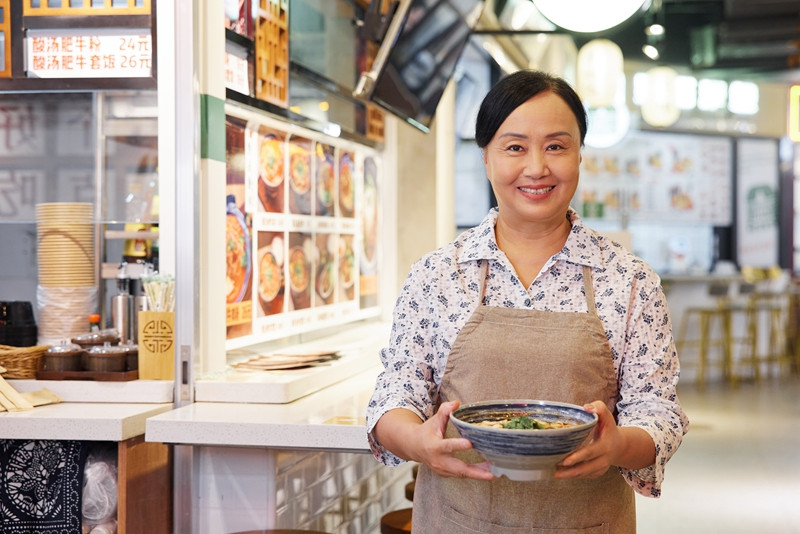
<point>21,362</point>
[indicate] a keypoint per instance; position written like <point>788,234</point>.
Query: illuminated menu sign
<point>89,54</point>
<point>794,113</point>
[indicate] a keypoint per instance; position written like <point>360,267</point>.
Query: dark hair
<point>516,89</point>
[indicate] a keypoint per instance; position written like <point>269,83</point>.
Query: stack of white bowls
<point>67,290</point>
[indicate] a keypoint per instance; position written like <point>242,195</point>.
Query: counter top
<point>329,419</point>
<point>80,421</point>
<point>358,348</point>
<point>133,391</point>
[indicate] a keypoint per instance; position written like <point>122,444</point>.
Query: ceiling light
<point>659,107</point>
<point>712,95</point>
<point>589,16</point>
<point>655,30</point>
<point>651,51</point>
<point>743,98</point>
<point>600,64</point>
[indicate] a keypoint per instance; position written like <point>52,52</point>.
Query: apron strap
<point>588,289</point>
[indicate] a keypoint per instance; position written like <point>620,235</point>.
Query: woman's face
<point>533,161</point>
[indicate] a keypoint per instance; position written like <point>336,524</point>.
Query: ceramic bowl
<point>523,455</point>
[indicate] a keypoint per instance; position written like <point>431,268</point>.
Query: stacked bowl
<point>67,290</point>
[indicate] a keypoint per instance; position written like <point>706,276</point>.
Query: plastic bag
<point>106,528</point>
<point>99,492</point>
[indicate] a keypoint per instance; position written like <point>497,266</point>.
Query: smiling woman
<point>530,292</point>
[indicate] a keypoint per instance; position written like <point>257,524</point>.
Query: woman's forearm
<point>394,430</point>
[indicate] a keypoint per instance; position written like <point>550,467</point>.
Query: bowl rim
<point>524,403</point>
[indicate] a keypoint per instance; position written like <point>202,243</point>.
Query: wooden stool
<point>397,522</point>
<point>410,490</point>
<point>709,336</point>
<point>766,314</point>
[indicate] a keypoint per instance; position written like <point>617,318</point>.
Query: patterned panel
<point>33,8</point>
<point>40,486</point>
<point>272,52</point>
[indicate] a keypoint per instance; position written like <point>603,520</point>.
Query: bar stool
<point>766,311</point>
<point>397,522</point>
<point>714,331</point>
<point>793,327</point>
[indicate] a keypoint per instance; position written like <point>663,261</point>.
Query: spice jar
<point>131,356</point>
<point>63,357</point>
<point>105,358</point>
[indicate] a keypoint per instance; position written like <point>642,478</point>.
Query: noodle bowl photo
<point>300,170</point>
<point>237,255</point>
<point>298,270</point>
<point>271,161</point>
<point>270,277</point>
<point>346,188</point>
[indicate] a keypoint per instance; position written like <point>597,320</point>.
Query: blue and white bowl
<point>523,455</point>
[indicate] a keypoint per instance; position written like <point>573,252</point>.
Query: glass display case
<point>93,148</point>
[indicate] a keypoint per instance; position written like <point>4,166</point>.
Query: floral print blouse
<point>443,289</point>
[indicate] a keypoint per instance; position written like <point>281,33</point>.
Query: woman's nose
<point>536,164</point>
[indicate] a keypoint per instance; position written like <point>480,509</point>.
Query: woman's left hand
<point>595,457</point>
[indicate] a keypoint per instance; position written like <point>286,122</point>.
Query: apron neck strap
<point>588,289</point>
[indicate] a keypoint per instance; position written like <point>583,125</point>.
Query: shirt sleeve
<point>407,380</point>
<point>649,375</point>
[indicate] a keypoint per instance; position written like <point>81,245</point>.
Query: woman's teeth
<point>537,191</point>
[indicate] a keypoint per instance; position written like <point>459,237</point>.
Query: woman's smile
<point>541,190</point>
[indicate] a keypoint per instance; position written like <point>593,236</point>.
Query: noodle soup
<point>270,278</point>
<point>298,270</point>
<point>237,259</point>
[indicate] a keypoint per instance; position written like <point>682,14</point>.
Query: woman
<point>530,304</point>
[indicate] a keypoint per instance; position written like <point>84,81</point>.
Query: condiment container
<point>63,357</point>
<point>91,339</point>
<point>131,356</point>
<point>105,358</point>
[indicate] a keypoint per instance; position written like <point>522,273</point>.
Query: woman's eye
<point>554,147</point>
<point>514,148</point>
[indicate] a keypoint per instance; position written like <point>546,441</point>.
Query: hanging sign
<point>86,53</point>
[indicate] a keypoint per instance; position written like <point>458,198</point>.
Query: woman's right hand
<point>402,432</point>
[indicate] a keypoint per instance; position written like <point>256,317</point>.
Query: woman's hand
<point>405,435</point>
<point>611,445</point>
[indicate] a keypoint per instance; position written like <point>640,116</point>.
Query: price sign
<point>89,54</point>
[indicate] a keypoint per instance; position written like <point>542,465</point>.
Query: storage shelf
<point>122,234</point>
<point>109,271</point>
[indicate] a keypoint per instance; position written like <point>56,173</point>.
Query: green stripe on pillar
<point>212,128</point>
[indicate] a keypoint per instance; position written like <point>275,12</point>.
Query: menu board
<point>757,230</point>
<point>655,176</point>
<point>302,247</point>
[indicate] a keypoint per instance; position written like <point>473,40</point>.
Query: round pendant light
<point>589,16</point>
<point>600,66</point>
<point>660,105</point>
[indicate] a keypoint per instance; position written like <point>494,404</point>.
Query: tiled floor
<point>738,470</point>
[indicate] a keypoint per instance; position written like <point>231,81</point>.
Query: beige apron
<point>506,353</point>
